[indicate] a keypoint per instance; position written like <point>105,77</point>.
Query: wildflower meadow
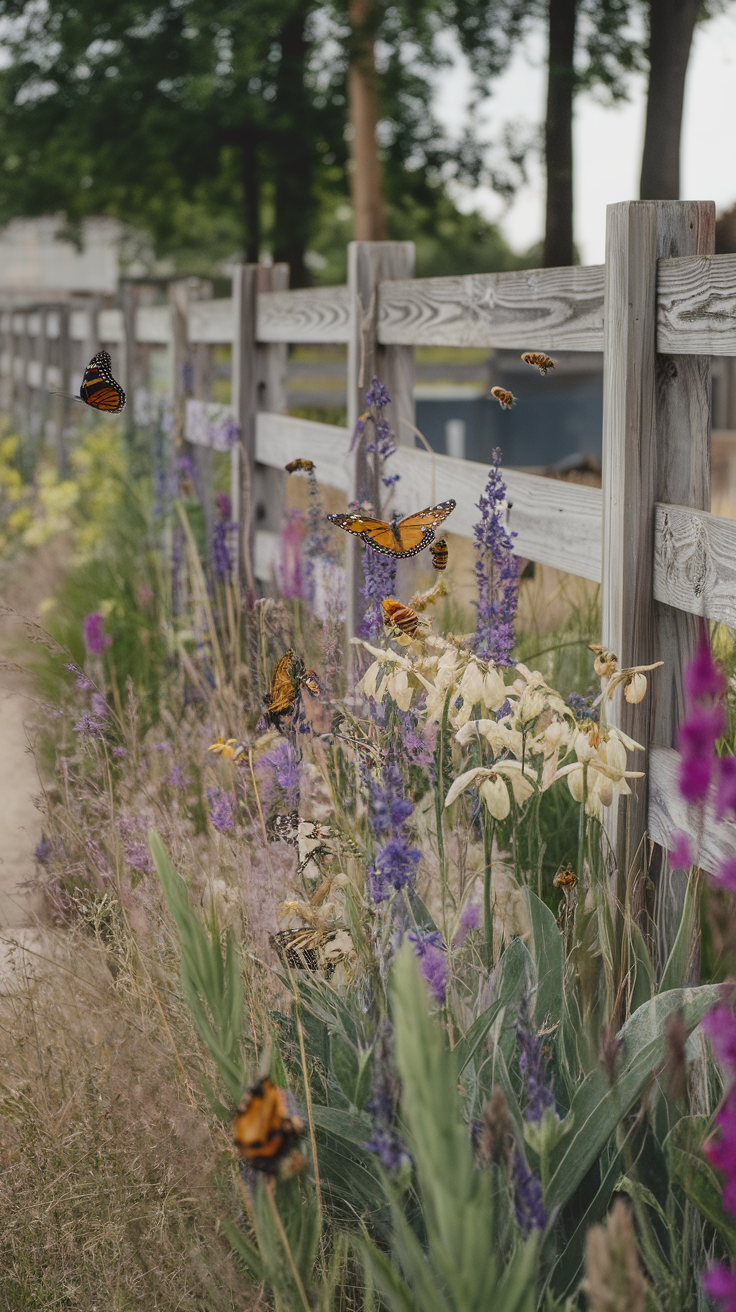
<point>344,1003</point>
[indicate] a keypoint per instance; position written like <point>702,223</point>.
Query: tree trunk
<point>251,196</point>
<point>558,237</point>
<point>671,27</point>
<point>369,215</point>
<point>294,149</point>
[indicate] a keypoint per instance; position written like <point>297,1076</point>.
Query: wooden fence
<point>658,309</point>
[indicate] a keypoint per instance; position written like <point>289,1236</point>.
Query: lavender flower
<point>380,582</point>
<point>175,779</point>
<point>223,809</point>
<point>395,861</point>
<point>530,1213</point>
<point>497,573</point>
<point>381,1106</point>
<point>280,768</point>
<point>428,946</point>
<point>89,727</point>
<point>290,571</point>
<point>121,752</point>
<point>100,707</point>
<point>138,857</point>
<point>533,1059</point>
<point>702,726</point>
<point>224,506</point>
<point>220,559</point>
<point>582,707</point>
<point>469,920</point>
<point>95,639</point>
<point>680,851</point>
<point>43,850</point>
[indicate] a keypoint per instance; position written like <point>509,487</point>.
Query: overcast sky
<point>608,141</point>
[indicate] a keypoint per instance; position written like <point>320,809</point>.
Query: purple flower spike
<point>95,639</point>
<point>380,582</point>
<point>469,919</point>
<point>222,809</point>
<point>497,573</point>
<point>720,1284</point>
<point>533,1059</point>
<point>703,678</point>
<point>726,792</point>
<point>530,1213</point>
<point>681,852</point>
<point>725,876</point>
<point>430,950</point>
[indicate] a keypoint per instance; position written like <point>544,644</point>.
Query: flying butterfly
<point>439,553</point>
<point>299,466</point>
<point>99,388</point>
<point>400,617</point>
<point>505,399</point>
<point>542,362</point>
<point>401,538</point>
<point>266,1132</point>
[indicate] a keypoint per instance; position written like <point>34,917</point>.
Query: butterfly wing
<point>375,532</point>
<point>99,388</point>
<point>263,1128</point>
<point>283,689</point>
<point>417,531</point>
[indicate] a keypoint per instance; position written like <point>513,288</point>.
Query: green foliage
<point>458,1205</point>
<point>211,979</point>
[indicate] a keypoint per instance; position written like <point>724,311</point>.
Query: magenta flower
<point>95,639</point>
<point>696,739</point>
<point>726,790</point>
<point>725,876</point>
<point>427,945</point>
<point>720,1284</point>
<point>469,918</point>
<point>681,852</point>
<point>290,570</point>
<point>703,678</point>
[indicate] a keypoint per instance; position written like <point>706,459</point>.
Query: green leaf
<point>696,1176</point>
<point>598,1108</point>
<point>679,959</point>
<point>548,958</point>
<point>513,969</point>
<point>212,984</point>
<point>352,1068</point>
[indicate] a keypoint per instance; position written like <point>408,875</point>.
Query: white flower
<point>495,794</point>
<point>635,688</point>
<point>494,690</point>
<point>398,687</point>
<point>472,684</point>
<point>471,729</point>
<point>367,684</point>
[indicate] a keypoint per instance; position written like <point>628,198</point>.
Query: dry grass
<point>113,1174</point>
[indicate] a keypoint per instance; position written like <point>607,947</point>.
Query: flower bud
<point>495,794</point>
<point>635,688</point>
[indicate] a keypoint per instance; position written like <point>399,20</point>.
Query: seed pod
<point>400,616</point>
<point>505,399</point>
<point>439,553</point>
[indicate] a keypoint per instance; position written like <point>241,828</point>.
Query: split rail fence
<point>658,309</point>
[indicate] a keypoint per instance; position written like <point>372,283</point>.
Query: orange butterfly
<point>400,538</point>
<point>99,388</point>
<point>265,1131</point>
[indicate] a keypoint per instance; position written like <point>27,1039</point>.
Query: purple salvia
<point>428,946</point>
<point>223,808</point>
<point>380,582</point>
<point>138,857</point>
<point>533,1061</point>
<point>95,639</point>
<point>530,1212</point>
<point>496,572</point>
<point>381,1106</point>
<point>290,568</point>
<point>395,861</point>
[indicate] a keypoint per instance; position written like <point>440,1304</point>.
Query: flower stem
<point>489,829</point>
<point>268,1186</point>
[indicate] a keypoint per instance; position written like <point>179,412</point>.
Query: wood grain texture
<point>667,812</point>
<point>557,523</point>
<point>695,562</point>
<point>696,304</point>
<point>368,264</point>
<point>314,314</point>
<point>269,483</point>
<point>535,309</point>
<point>212,321</point>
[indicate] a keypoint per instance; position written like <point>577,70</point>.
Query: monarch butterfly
<point>542,362</point>
<point>400,616</point>
<point>299,466</point>
<point>99,388</point>
<point>401,538</point>
<point>505,399</point>
<point>439,553</point>
<point>289,676</point>
<point>265,1131</point>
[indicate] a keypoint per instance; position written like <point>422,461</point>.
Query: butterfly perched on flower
<point>99,389</point>
<point>266,1132</point>
<point>288,678</point>
<point>402,537</point>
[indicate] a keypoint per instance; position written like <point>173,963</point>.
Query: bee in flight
<point>505,399</point>
<point>266,1132</point>
<point>299,466</point>
<point>542,362</point>
<point>402,537</point>
<point>565,879</point>
<point>401,617</point>
<point>439,553</point>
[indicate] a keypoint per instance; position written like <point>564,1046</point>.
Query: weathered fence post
<point>65,369</point>
<point>369,264</point>
<point>656,447</point>
<point>257,384</point>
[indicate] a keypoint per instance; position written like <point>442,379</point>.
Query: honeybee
<point>299,466</point>
<point>439,553</point>
<point>542,362</point>
<point>565,879</point>
<point>400,616</point>
<point>505,399</point>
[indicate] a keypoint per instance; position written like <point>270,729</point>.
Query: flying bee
<point>542,362</point>
<point>505,399</point>
<point>299,466</point>
<point>400,616</point>
<point>310,681</point>
<point>565,879</point>
<point>439,553</point>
